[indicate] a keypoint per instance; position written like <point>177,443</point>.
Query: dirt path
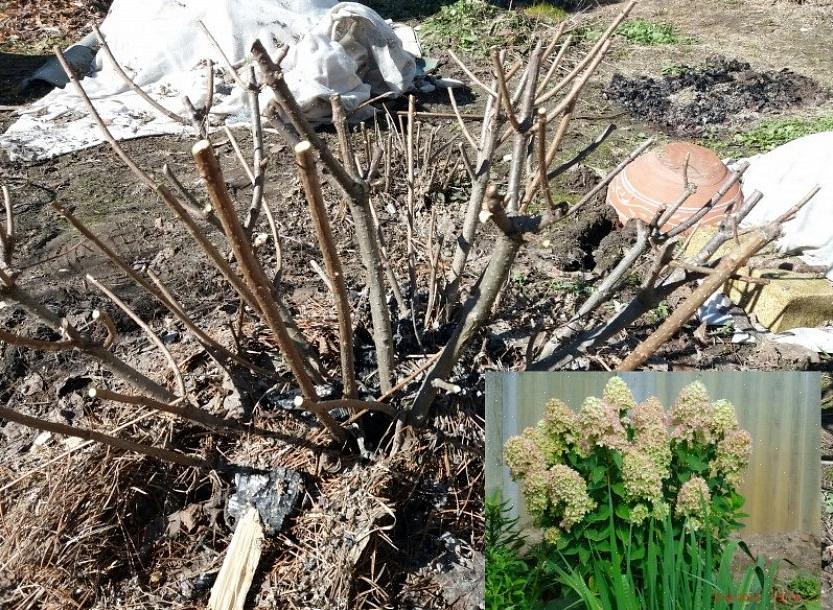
<point>770,35</point>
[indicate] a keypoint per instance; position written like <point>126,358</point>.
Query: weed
<point>642,31</point>
<point>476,26</point>
<point>775,132</point>
<point>546,12</point>
<point>674,69</point>
<point>658,313</point>
<point>587,34</point>
<point>510,581</point>
<point>828,503</point>
<point>577,286</point>
<point>808,587</point>
<point>725,330</point>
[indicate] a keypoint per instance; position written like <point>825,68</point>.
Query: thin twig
<point>460,121</point>
<point>91,435</point>
<point>146,329</point>
<point>130,83</point>
<point>471,75</point>
<point>185,411</point>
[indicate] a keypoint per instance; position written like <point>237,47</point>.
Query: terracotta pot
<point>655,179</point>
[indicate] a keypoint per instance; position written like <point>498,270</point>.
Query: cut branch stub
<point>318,211</point>
<point>255,277</point>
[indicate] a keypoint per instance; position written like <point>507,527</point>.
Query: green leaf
<point>597,535</point>
<point>601,514</point>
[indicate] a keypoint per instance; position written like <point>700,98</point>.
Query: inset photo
<point>653,491</point>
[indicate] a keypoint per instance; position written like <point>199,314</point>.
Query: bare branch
<point>609,178</point>
<point>146,329</point>
<point>471,75</point>
<point>130,83</point>
<point>463,129</point>
<point>185,411</point>
<point>354,405</point>
<point>721,192</point>
<point>212,174</point>
<point>230,68</point>
<point>44,346</point>
<point>111,441</point>
<point>504,90</point>
<point>589,57</point>
<point>109,326</point>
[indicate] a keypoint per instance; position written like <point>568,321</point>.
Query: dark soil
<point>695,98</point>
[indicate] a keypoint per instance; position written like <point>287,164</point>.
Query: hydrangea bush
<point>603,474</point>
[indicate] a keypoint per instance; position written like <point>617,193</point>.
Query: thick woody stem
<point>523,131</point>
<point>191,204</point>
<point>111,441</point>
<point>371,255</point>
<point>476,311</point>
<point>358,199</point>
<point>609,284</point>
<point>7,232</point>
<point>541,178</point>
<point>37,344</point>
<point>258,164</point>
<point>488,143</point>
<point>345,144</point>
<point>335,272</point>
<point>504,89</point>
<point>258,283</point>
<point>541,150</point>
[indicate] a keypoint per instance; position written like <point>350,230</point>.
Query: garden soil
<point>437,532</point>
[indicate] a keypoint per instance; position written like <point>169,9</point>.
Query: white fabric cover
<point>784,176</point>
<point>336,47</point>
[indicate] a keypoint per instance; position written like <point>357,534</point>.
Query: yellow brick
<point>790,300</point>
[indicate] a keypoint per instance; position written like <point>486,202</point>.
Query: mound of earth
<point>687,102</point>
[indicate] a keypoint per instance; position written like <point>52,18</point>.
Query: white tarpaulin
<point>337,47</point>
<point>784,176</point>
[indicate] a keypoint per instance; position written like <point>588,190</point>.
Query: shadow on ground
<point>14,69</point>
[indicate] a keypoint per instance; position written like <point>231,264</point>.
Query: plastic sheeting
<point>343,48</point>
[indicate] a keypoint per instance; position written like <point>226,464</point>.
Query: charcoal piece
<point>273,494</point>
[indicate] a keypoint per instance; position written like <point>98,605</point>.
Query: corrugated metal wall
<point>779,409</point>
